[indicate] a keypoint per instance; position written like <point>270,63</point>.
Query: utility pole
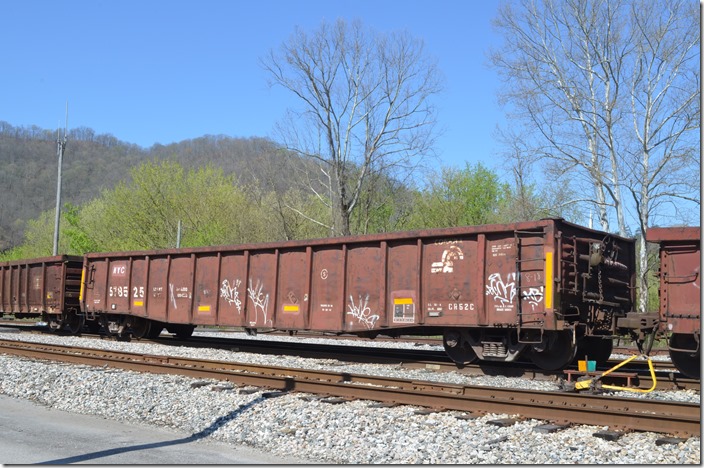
<point>60,147</point>
<point>178,235</point>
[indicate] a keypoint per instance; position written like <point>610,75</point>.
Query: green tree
<point>73,231</point>
<point>144,213</point>
<point>459,197</point>
<point>38,239</point>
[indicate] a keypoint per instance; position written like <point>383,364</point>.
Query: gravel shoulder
<point>72,438</point>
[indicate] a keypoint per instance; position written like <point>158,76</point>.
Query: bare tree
<point>562,62</point>
<point>609,90</point>
<point>365,109</point>
<point>529,199</point>
<point>665,98</point>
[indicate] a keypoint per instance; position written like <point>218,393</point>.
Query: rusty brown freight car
<point>43,287</point>
<point>493,292</point>
<point>680,294</point>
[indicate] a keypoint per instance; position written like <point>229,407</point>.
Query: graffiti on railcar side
<point>172,297</point>
<point>260,301</point>
<point>503,291</point>
<point>362,312</point>
<point>534,296</point>
<point>231,293</point>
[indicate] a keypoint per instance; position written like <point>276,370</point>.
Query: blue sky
<point>163,71</point>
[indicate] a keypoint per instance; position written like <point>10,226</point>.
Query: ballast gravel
<point>308,428</point>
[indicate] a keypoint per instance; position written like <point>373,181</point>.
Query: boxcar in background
<point>680,294</point>
<point>546,289</point>
<point>43,287</point>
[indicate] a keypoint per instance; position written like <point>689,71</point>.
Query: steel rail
<point>682,419</point>
<point>667,377</point>
<point>635,374</point>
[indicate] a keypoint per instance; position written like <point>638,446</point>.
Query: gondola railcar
<point>46,288</point>
<point>543,289</point>
<point>680,294</point>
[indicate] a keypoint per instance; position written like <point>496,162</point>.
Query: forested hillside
<point>93,163</point>
<point>222,190</point>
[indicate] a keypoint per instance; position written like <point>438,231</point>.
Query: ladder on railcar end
<point>569,270</point>
<point>528,317</point>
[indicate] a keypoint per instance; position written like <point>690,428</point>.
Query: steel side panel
<point>8,290</point>
<point>364,289</point>
<point>118,286</point>
<point>23,289</point>
<point>232,289</point>
<point>3,295</point>
<point>680,286</point>
<point>4,270</point>
<point>261,293</point>
<point>35,291</point>
<point>95,297</point>
<point>500,298</point>
<point>326,305</point>
<point>449,275</point>
<point>15,289</point>
<point>205,294</point>
<point>157,288</point>
<point>402,306</point>
<point>138,287</point>
<point>54,288</point>
<point>292,296</point>
<point>180,290</point>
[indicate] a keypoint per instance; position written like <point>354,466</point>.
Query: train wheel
<point>594,349</point>
<point>72,323</point>
<point>140,327</point>
<point>556,351</point>
<point>457,348</point>
<point>688,363</point>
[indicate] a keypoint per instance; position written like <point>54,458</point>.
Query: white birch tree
<point>608,91</point>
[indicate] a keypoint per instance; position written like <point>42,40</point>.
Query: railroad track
<point>635,374</point>
<point>562,408</point>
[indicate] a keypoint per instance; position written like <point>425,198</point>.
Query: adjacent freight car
<point>43,287</point>
<point>546,289</point>
<point>680,294</point>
